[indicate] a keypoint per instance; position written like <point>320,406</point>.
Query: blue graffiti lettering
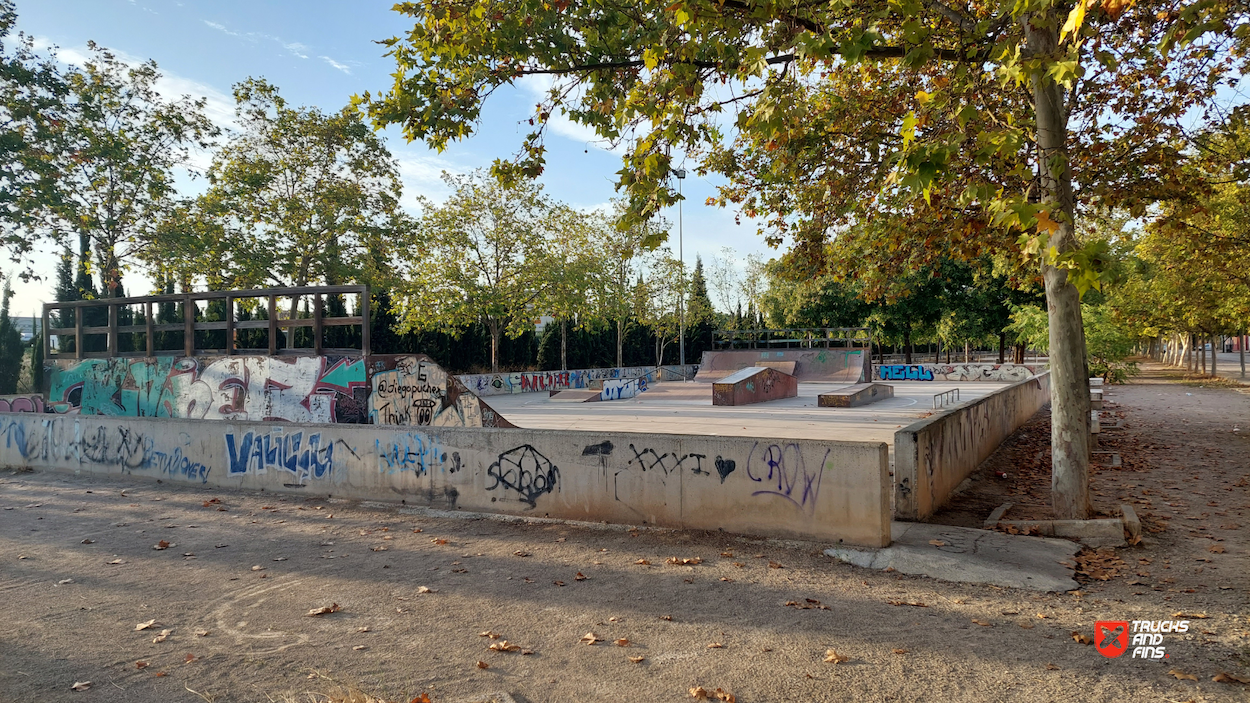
<point>905,372</point>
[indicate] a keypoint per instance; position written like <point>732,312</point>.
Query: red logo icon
<point>1111,637</point>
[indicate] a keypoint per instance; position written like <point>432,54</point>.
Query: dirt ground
<point>79,572</point>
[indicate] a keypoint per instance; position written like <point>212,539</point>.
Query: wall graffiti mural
<point>23,404</point>
<point>525,471</point>
<point>996,373</point>
<point>623,389</point>
<point>544,381</point>
<point>122,448</point>
<point>266,389</point>
<point>416,453</point>
<point>413,390</point>
<point>904,372</point>
<point>302,455</point>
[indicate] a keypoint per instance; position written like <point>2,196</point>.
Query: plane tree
<point>668,79</point>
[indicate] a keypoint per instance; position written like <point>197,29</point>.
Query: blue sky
<point>321,53</point>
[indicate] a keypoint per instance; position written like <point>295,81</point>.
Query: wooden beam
<point>188,326</point>
<point>364,323</point>
<point>318,304</point>
<point>273,325</point>
<point>113,345</point>
<point>148,322</point>
<point>229,325</point>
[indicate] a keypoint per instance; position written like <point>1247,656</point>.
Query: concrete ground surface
<point>79,572</point>
<point>686,408</point>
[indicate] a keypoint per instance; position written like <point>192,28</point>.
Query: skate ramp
<point>810,365</point>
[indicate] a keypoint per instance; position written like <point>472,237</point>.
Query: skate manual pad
<point>856,395</point>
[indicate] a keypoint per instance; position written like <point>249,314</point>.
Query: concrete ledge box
<point>856,395</point>
<point>756,384</point>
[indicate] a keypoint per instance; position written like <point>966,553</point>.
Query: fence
<point>801,338</point>
<point>233,303</point>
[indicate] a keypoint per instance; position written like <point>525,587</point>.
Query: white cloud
<point>539,87</point>
<point>296,49</point>
<point>342,67</point>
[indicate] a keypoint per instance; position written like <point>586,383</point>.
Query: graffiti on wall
<point>537,381</point>
<point>64,440</point>
<point>783,472</point>
<point>416,391</point>
<point>302,455</point>
<point>266,389</point>
<point>525,471</point>
<point>904,372</point>
<point>621,390</point>
<point>23,404</point>
<point>416,453</point>
<point>997,373</point>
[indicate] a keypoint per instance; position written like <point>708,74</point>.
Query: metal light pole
<point>681,255</point>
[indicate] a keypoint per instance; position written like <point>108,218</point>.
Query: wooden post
<point>147,321</point>
<point>273,325</point>
<point>317,336</point>
<point>78,333</point>
<point>364,324</point>
<point>188,329</point>
<point>113,345</point>
<point>229,326</point>
<point>47,349</point>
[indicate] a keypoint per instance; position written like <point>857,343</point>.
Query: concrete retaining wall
<point>933,456</point>
<point>486,384</point>
<point>807,489</point>
<point>1009,373</point>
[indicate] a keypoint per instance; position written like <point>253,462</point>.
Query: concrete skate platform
<point>856,395</point>
<point>686,408</point>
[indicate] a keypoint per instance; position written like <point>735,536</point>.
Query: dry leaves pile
<point>1099,565</point>
<point>675,561</point>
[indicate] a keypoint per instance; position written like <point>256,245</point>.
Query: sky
<point>321,53</point>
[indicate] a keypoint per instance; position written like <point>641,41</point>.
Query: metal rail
<point>190,325</point>
<point>945,398</point>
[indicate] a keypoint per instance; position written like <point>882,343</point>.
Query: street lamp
<point>681,256</point>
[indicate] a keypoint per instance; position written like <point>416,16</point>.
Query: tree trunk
<point>967,352</point>
<point>620,341</point>
<point>1241,352</point>
<point>564,347</point>
<point>907,344</point>
<point>496,331</point>
<point>937,354</point>
<point>1069,373</point>
<point>1215,352</point>
<point>1002,346</point>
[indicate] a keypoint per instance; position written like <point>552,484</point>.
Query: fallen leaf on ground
<point>700,692</point>
<point>726,696</point>
<point>87,541</point>
<point>1216,549</point>
<point>983,623</point>
<point>590,638</point>
<point>643,562</point>
<point>775,565</point>
<point>141,665</point>
<point>379,548</point>
<point>1081,637</point>
<point>637,660</point>
<point>1180,675</point>
<point>900,651</point>
<point>580,577</point>
<point>558,583</point>
<point>258,567</point>
<point>491,634</point>
<point>727,555</point>
<point>667,617</point>
<point>1191,616</point>
<point>439,541</point>
<point>417,530</point>
<point>423,698</point>
<point>832,656</point>
<point>201,633</point>
<point>161,545</point>
<point>1052,667</point>
<point>504,646</point>
<point>716,645</point>
<point>676,561</point>
<point>116,561</point>
<point>622,642</point>
<point>189,658</point>
<point>363,629</point>
<point>937,543</point>
<point>914,604</point>
<point>482,665</point>
<point>80,685</point>
<point>161,637</point>
<point>1225,677</point>
<point>162,673</point>
<point>1026,625</point>
<point>519,553</point>
<point>145,625</point>
<point>426,589</point>
<point>324,610</point>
